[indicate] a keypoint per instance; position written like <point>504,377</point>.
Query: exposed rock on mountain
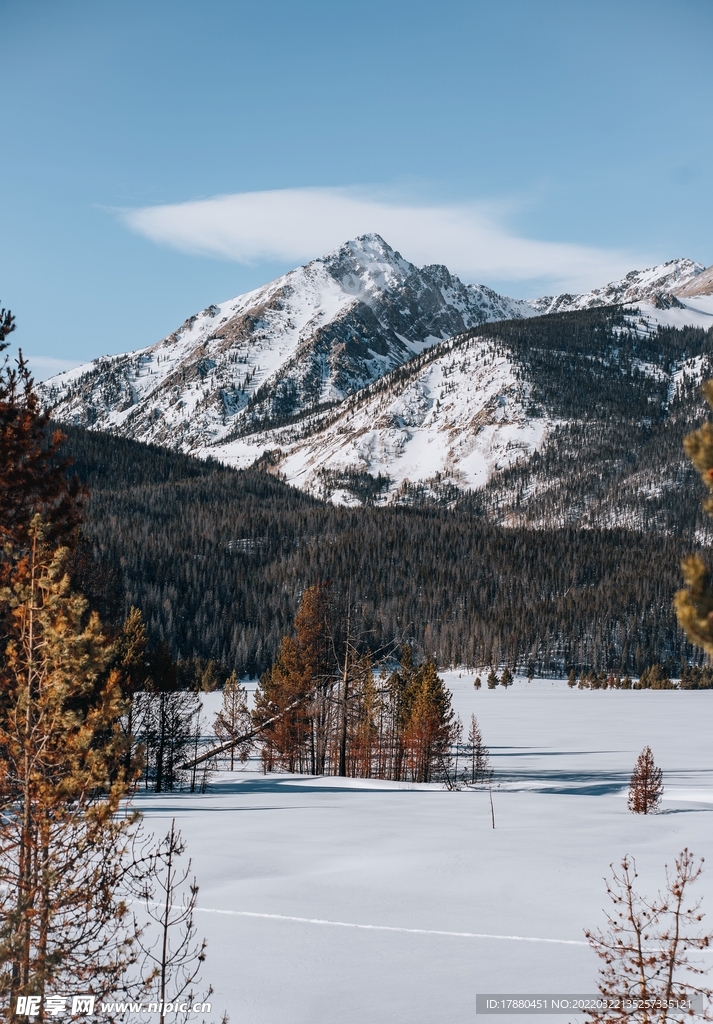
<point>363,378</point>
<point>637,286</point>
<point>701,284</point>
<point>306,340</point>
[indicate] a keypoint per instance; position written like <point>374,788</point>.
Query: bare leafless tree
<point>648,974</point>
<point>173,958</point>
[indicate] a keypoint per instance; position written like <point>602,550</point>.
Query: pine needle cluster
<point>694,604</point>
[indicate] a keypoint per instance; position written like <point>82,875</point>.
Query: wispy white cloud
<point>300,224</point>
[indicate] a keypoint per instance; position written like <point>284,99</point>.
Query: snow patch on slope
<point>459,417</point>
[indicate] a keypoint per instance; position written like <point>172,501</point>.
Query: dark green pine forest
<point>567,560</point>
<point>217,561</point>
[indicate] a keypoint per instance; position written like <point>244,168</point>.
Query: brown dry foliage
<point>646,786</point>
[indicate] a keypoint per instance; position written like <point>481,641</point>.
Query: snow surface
<point>461,415</point>
<point>696,312</point>
<point>328,900</point>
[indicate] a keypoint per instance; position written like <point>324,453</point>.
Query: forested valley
<point>217,561</point>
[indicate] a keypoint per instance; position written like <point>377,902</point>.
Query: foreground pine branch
<point>694,604</point>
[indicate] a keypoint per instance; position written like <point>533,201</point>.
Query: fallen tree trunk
<point>214,751</point>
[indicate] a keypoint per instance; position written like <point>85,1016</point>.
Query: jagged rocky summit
<point>358,367</point>
<point>310,338</point>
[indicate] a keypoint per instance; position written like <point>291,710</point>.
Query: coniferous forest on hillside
<point>614,453</point>
<point>217,561</point>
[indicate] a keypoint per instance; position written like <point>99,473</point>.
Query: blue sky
<point>528,144</point>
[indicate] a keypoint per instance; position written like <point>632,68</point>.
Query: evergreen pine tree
<point>130,657</point>
<point>33,478</point>
<point>297,691</point>
<point>456,739</point>
<point>429,729</point>
<point>400,688</point>
<point>694,604</point>
<point>655,677</point>
<point>480,770</point>
<point>492,679</point>
<point>506,677</point>
<point>367,756</point>
<point>646,786</point>
<point>62,777</point>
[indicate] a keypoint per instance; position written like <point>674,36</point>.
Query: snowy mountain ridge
<point>344,370</point>
<point>456,413</point>
<point>655,283</point>
<point>313,336</point>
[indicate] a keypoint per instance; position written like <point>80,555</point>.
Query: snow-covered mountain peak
<point>367,252</point>
<point>313,336</point>
<point>636,286</point>
<point>291,365</point>
<point>366,266</point>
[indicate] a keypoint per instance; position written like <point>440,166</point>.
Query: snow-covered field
<point>401,866</point>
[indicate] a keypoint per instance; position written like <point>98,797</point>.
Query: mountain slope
<point>309,338</point>
<point>363,378</point>
<point>457,412</point>
<point>638,285</point>
<point>621,393</point>
<point>567,418</point>
<point>701,284</point>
